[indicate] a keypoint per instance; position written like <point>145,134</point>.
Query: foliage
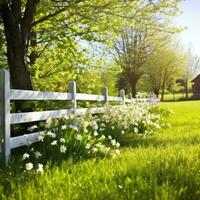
<point>163,73</point>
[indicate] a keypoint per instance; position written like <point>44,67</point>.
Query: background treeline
<point>120,44</point>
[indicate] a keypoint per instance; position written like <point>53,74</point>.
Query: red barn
<point>196,86</point>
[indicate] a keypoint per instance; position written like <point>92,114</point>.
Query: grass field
<point>165,165</point>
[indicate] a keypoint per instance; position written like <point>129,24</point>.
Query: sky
<point>190,38</point>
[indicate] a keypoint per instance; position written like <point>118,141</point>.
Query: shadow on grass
<point>157,141</point>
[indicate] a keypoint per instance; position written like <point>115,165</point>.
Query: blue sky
<point>190,38</point>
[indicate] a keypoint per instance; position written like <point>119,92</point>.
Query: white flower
<point>95,149</point>
<point>117,144</point>
<point>95,133</point>
<point>29,166</point>
<point>112,127</point>
<point>109,137</point>
<point>120,187</point>
<point>113,142</point>
<point>96,127</point>
<point>74,128</point>
<point>41,138</point>
<point>87,146</point>
<point>25,156</point>
<point>117,151</point>
<point>63,149</point>
<point>135,130</point>
<point>40,168</point>
<point>48,121</point>
<point>38,154</point>
<point>54,142</point>
<point>64,127</point>
<point>103,136</point>
<point>85,130</point>
<point>79,137</point>
<point>50,134</point>
<point>66,117</point>
<point>122,132</point>
<point>157,125</point>
<point>62,140</point>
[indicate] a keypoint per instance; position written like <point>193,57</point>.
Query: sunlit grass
<point>165,165</point>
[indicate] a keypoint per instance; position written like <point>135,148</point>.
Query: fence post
<point>4,117</point>
<point>72,90</point>
<point>122,95</point>
<point>105,94</point>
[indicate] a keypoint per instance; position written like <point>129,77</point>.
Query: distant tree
<point>132,50</point>
<point>164,68</point>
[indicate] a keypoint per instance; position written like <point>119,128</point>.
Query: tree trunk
<point>186,88</point>
<point>156,91</point>
<point>133,79</point>
<point>17,31</point>
<point>163,90</point>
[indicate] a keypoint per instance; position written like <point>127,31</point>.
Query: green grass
<point>165,165</point>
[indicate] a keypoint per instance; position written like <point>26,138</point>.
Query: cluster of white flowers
<point>50,134</point>
<point>135,117</point>
<point>91,132</point>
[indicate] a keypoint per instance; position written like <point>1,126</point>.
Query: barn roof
<point>197,78</point>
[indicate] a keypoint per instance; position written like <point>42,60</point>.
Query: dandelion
<point>62,140</point>
<point>79,137</point>
<point>38,154</point>
<point>63,149</point>
<point>29,166</point>
<point>54,143</point>
<point>40,168</point>
<point>63,127</point>
<point>25,156</point>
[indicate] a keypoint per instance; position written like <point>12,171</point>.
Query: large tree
<point>33,22</point>
<point>132,50</point>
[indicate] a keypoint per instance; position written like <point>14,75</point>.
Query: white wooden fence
<point>7,118</point>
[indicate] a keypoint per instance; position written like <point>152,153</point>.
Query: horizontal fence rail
<point>38,95</point>
<point>7,118</point>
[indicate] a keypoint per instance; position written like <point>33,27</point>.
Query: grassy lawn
<point>165,165</point>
